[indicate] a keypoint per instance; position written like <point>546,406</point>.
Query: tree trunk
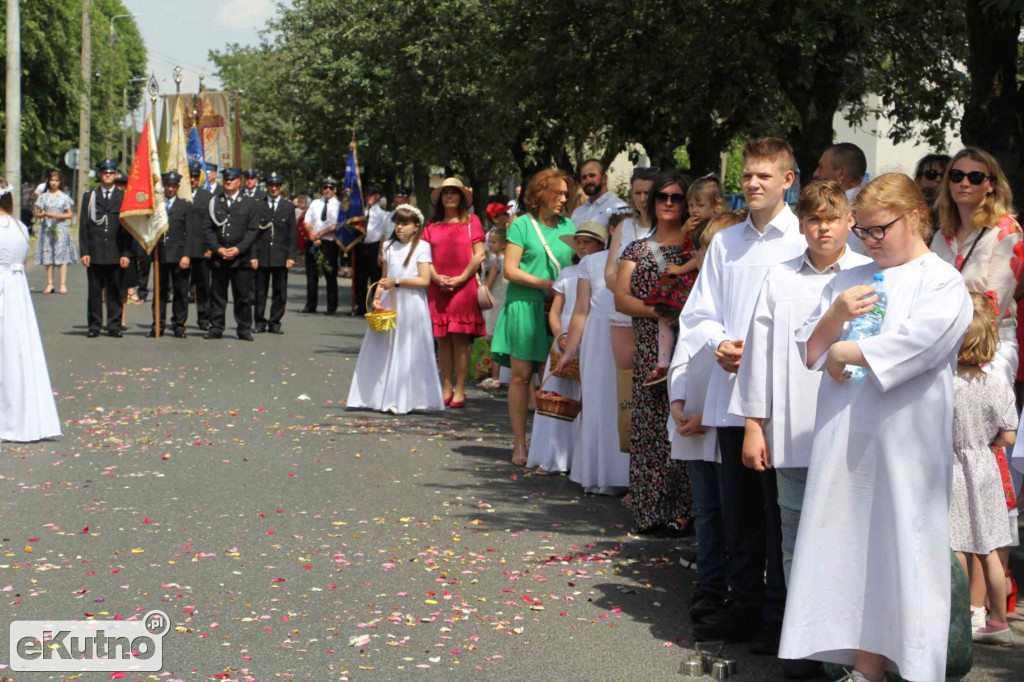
<point>993,116</point>
<point>703,149</point>
<point>421,186</point>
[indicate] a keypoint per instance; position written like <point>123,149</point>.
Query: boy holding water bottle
<point>775,392</point>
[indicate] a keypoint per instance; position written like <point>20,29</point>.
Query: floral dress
<point>55,246</point>
<point>658,485</point>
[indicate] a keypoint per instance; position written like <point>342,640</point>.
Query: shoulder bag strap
<point>977,239</point>
<point>547,248</point>
<point>656,253</point>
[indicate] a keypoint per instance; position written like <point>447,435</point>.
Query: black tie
<point>273,206</point>
<point>323,214</point>
<point>230,201</point>
<point>106,195</point>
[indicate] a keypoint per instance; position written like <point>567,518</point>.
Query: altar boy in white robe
<point>775,391</point>
<point>717,317</point>
<point>870,584</point>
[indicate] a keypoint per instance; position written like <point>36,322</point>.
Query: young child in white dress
<point>496,284</point>
<point>599,466</point>
<point>984,415</point>
<point>870,582</point>
<point>397,370</point>
<point>27,408</point>
<point>553,441</point>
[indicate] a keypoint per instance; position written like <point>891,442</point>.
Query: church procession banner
<point>144,209</point>
<point>214,124</point>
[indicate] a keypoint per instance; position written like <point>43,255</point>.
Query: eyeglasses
<point>876,232</point>
<point>974,177</point>
<point>933,175</point>
<point>674,197</point>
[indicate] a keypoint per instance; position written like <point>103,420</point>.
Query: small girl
<point>704,200</point>
<point>397,370</point>
<point>496,283</point>
<point>552,442</point>
<point>984,415</point>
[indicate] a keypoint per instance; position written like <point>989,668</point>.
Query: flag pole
<point>156,290</point>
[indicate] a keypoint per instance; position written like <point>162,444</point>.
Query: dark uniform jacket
<point>200,206</point>
<point>104,240</point>
<point>237,226</point>
<point>184,233</point>
<point>278,231</point>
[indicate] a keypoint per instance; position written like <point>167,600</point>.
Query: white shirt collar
<point>232,197</point>
<point>601,199</point>
<point>776,227</point>
<point>807,267</point>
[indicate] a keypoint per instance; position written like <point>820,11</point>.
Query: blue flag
<point>194,151</point>
<point>351,216</point>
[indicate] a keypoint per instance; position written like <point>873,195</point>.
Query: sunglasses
<point>974,177</point>
<point>876,232</point>
<point>674,197</point>
<point>933,175</point>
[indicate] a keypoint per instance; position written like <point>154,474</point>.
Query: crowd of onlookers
<point>697,362</point>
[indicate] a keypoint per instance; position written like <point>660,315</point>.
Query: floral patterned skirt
<point>55,246</point>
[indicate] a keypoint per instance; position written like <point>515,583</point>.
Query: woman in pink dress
<point>456,239</point>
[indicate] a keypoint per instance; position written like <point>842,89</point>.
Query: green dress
<point>521,331</point>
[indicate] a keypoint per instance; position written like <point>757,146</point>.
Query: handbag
<point>484,299</point>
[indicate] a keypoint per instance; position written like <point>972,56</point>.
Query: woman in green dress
<point>534,255</point>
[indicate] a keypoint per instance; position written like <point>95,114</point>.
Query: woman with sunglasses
<point>659,489</point>
<point>979,237</point>
<point>870,583</point>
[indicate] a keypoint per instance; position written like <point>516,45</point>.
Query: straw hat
<point>587,228</point>
<point>457,184</point>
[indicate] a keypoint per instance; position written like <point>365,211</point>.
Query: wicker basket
<point>557,407</point>
<point>571,371</point>
<point>385,320</point>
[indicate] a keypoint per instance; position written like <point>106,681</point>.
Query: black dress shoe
<point>116,333</point>
<point>260,329</point>
<point>275,330</point>
<point>735,625</point>
<point>331,312</point>
<point>124,327</point>
<point>179,333</point>
<point>212,335</point>
<point>246,336</point>
<point>92,333</point>
<point>767,641</point>
<point>703,604</point>
<point>203,326</point>
<point>802,669</point>
<point>307,310</point>
<point>151,334</point>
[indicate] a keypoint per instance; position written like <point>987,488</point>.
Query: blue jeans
<point>792,483</point>
<point>707,523</point>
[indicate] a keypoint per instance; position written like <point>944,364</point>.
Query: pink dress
<point>454,312</point>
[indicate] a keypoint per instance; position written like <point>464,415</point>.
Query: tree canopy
<point>493,88</point>
<point>51,44</point>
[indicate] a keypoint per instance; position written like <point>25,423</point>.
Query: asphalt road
<point>225,483</point>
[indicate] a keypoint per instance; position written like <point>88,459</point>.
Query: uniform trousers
<point>201,281</point>
<point>753,536</point>
<point>240,279</point>
<point>142,265</point>
<point>173,278</point>
<point>330,250</point>
<point>367,271</point>
<point>279,297</point>
<point>104,278</point>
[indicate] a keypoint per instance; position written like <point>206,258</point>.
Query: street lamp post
<point>113,34</point>
<point>124,122</point>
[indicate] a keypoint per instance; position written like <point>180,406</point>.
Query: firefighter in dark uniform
<point>106,248</point>
<point>251,184</point>
<point>276,253</point>
<point>174,250</point>
<point>200,269</point>
<point>231,229</point>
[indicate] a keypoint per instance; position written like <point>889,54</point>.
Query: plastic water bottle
<point>869,324</point>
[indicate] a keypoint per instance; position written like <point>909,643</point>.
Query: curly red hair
<point>541,189</point>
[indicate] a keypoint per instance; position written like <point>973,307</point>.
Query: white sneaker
<point>978,619</point>
<point>998,638</point>
<point>855,676</point>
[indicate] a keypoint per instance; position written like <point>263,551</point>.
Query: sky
<point>184,31</point>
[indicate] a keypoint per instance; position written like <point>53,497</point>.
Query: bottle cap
<point>878,277</point>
